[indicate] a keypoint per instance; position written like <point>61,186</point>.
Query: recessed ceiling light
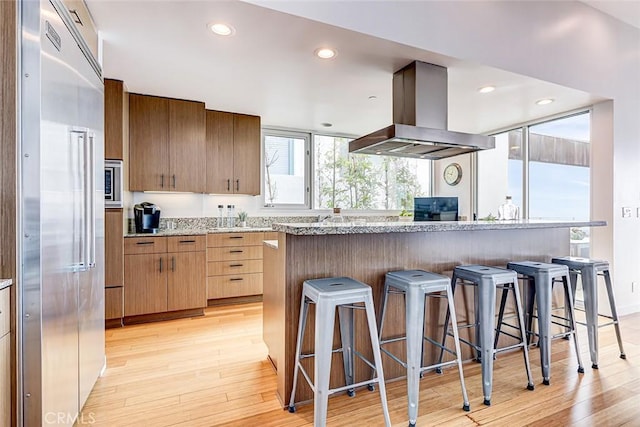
<point>378,152</point>
<point>544,101</point>
<point>326,124</point>
<point>222,29</point>
<point>486,89</point>
<point>325,53</point>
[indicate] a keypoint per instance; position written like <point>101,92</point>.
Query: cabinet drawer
<point>234,285</point>
<point>233,253</point>
<point>186,243</point>
<point>234,239</point>
<point>234,267</point>
<point>5,307</point>
<point>145,245</point>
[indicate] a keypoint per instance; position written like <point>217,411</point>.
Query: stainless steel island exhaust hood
<point>420,120</point>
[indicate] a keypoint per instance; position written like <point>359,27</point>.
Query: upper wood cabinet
<point>116,111</point>
<point>233,153</point>
<point>166,144</point>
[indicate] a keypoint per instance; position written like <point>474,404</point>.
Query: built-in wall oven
<point>113,183</point>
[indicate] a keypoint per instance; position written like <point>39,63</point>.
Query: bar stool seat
<point>346,295</point>
<point>486,281</point>
<point>543,276</point>
<point>589,270</point>
<point>416,285</point>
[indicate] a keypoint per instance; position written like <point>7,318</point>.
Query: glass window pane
<point>284,177</point>
<point>500,174</point>
<point>359,181</point>
<point>559,174</point>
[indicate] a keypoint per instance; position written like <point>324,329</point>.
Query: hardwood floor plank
<point>213,371</point>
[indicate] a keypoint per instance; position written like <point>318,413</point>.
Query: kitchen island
<point>366,252</point>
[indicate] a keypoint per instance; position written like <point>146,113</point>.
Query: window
<point>360,181</point>
<point>558,154</point>
<point>285,163</point>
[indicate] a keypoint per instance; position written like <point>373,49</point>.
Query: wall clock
<point>452,174</point>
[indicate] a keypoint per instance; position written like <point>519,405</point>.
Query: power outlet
<point>626,212</point>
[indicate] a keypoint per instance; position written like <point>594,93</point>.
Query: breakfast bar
<point>366,252</point>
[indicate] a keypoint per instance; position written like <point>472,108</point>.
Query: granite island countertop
<point>317,229</point>
<point>5,283</point>
<point>199,231</point>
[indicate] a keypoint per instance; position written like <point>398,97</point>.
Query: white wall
<point>564,42</point>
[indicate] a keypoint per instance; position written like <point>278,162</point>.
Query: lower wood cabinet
<point>234,264</point>
<point>157,280</point>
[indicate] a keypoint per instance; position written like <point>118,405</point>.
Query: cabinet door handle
<point>174,181</point>
<point>160,264</point>
<point>236,251</point>
<point>76,17</point>
<point>187,241</point>
<point>162,181</point>
<point>237,185</point>
<point>236,265</point>
<point>236,279</point>
<point>236,237</point>
<point>145,243</point>
<point>228,185</point>
<point>173,263</point>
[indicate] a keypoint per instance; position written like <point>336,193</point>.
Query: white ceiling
<point>268,68</point>
<point>626,10</point>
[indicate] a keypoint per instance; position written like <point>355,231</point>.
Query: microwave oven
<point>113,183</point>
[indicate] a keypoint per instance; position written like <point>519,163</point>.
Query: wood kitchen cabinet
<point>114,267</point>
<point>234,265</point>
<point>166,144</point>
<point>164,274</point>
<point>233,153</point>
<point>116,118</point>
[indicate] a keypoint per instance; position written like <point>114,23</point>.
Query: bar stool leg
<point>325,314</point>
<point>450,312</point>
<point>414,302</point>
<point>589,289</point>
<point>385,298</point>
<point>503,303</point>
<point>543,299</point>
<point>345,315</point>
<point>486,316</point>
<point>456,341</point>
<point>530,289</point>
<point>523,334</point>
<point>302,323</point>
<point>614,313</point>
<point>377,357</point>
<point>568,297</point>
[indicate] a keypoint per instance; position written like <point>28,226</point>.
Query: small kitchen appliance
<point>147,217</point>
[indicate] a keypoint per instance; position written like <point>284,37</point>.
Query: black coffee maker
<point>147,217</point>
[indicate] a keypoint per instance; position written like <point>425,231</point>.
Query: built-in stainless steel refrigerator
<point>61,219</point>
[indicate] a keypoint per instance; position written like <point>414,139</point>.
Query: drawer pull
<point>236,265</point>
<point>236,237</point>
<point>236,251</point>
<point>236,279</point>
<point>187,241</point>
<point>145,243</point>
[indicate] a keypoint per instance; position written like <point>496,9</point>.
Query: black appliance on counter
<point>435,209</point>
<point>147,217</point>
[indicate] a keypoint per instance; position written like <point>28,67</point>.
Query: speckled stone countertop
<point>5,283</point>
<point>316,229</point>
<point>198,231</point>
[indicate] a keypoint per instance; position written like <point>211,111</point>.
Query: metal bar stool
<point>328,294</point>
<point>416,285</point>
<point>544,276</point>
<point>589,271</point>
<point>486,281</point>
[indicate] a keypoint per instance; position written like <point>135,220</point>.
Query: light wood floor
<point>213,370</point>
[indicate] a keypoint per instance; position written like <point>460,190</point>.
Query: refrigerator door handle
<point>90,199</point>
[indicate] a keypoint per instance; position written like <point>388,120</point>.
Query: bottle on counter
<point>337,217</point>
<point>220,216</point>
<point>508,210</point>
<point>231,216</point>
